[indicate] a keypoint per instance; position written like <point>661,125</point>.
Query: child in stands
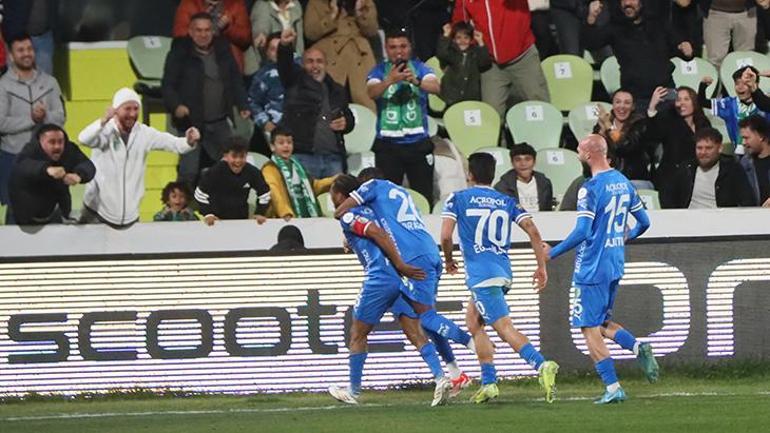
<point>176,199</point>
<point>463,58</point>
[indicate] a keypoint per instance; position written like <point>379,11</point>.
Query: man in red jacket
<point>231,20</point>
<point>515,73</point>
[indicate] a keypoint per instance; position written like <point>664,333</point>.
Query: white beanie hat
<point>125,95</point>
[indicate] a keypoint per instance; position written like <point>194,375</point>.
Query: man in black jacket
<point>711,180</point>
<point>201,85</point>
<point>42,175</point>
<point>315,110</point>
<point>643,44</point>
<point>530,188</point>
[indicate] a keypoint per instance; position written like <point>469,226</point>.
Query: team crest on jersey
<point>582,193</point>
<point>348,217</point>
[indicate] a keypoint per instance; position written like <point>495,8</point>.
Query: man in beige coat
<point>340,29</point>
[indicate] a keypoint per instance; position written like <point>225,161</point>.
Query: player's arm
<point>363,195</point>
<point>346,205</point>
<point>580,233</point>
<point>378,235</point>
<point>642,222</point>
<point>540,277</point>
<point>447,245</point>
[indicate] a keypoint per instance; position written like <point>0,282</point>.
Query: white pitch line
<point>338,407</point>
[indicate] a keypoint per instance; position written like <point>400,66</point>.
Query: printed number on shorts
<point>497,225</point>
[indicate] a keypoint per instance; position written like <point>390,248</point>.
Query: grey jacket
<point>507,185</point>
<point>17,98</point>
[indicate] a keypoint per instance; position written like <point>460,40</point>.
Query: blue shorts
<point>402,308</point>
<point>424,291</point>
<point>593,304</point>
<point>375,299</point>
<point>490,302</point>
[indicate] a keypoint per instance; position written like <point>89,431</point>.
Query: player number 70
<point>498,224</point>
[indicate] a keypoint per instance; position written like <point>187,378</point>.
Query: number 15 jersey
<point>606,200</point>
<point>484,218</point>
<point>398,216</point>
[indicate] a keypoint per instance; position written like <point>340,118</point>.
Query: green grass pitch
<point>676,404</point>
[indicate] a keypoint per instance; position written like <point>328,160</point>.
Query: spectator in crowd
<point>35,18</point>
<point>290,240</point>
<point>710,180</point>
<point>120,146</point>
<point>41,176</point>
<point>687,17</point>
<point>733,109</point>
<point>315,110</point>
<point>643,45</point>
<point>273,17</point>
<point>626,133</point>
<point>515,74</point>
<point>532,189</point>
<point>28,99</point>
<point>176,198</point>
<point>462,53</point>
<point>540,11</point>
<point>729,23</point>
<point>340,29</point>
<point>229,18</point>
<point>756,161</point>
<point>400,86</point>
<point>567,16</point>
<point>223,192</point>
<point>201,85</point>
<point>266,93</point>
<point>293,192</point>
<point>675,129</point>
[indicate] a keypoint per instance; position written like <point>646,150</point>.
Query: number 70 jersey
<point>484,219</point>
<point>398,216</point>
<point>606,199</point>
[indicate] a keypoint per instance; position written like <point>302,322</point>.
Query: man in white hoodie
<point>120,146</point>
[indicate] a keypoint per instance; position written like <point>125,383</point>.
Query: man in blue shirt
<point>483,217</point>
<point>604,202</point>
<point>400,87</point>
<point>381,289</point>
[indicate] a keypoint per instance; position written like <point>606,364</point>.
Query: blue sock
<point>442,346</point>
<point>625,339</point>
<point>439,324</point>
<point>356,361</point>
<point>488,373</point>
<point>428,353</point>
<point>606,370</point>
<point>531,355</point>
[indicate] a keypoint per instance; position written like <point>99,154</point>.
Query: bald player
<point>600,234</point>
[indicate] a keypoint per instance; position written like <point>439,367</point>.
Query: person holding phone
<point>315,109</point>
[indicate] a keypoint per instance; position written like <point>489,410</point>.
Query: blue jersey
<point>377,267</point>
<point>606,199</point>
<point>397,215</point>
<point>732,111</point>
<point>417,97</point>
<point>484,218</point>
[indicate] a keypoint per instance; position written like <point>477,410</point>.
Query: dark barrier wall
<point>258,323</point>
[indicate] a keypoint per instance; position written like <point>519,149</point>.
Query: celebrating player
<point>483,217</point>
<point>381,289</point>
<point>399,217</point>
<point>600,235</point>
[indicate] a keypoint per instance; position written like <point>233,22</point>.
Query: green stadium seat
<point>3,210</point>
<point>435,103</point>
<point>650,198</point>
<point>570,80</point>
<point>257,159</point>
<point>360,161</point>
<point>361,138</point>
<point>76,194</point>
<point>147,55</point>
<point>610,74</point>
<point>432,126</point>
<point>561,166</point>
<point>537,123</point>
<point>728,148</point>
<point>738,59</point>
<point>420,202</point>
<point>583,117</point>
<point>502,160</point>
<point>159,177</point>
<point>690,74</point>
<point>326,205</point>
<point>472,125</point>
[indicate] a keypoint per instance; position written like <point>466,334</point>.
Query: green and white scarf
<point>400,120</point>
<point>297,183</point>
